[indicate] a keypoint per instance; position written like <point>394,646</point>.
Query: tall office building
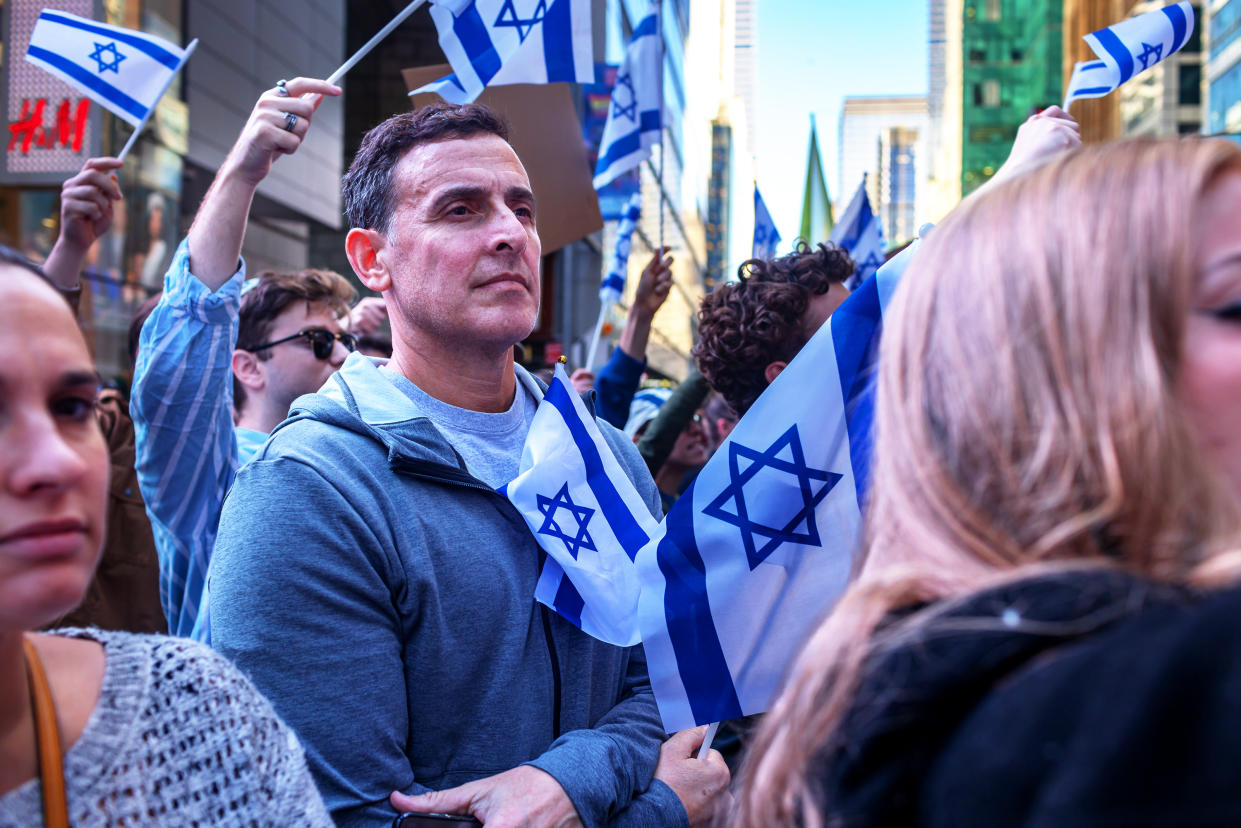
<point>1223,69</point>
<point>1167,98</point>
<point>745,48</point>
<point>863,123</point>
<point>1011,66</point>
<point>897,179</point>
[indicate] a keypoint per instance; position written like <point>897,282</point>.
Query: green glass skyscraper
<point>1010,66</point>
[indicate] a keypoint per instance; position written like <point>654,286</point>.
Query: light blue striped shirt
<point>188,450</point>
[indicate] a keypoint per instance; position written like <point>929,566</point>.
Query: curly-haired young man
<point>750,329</point>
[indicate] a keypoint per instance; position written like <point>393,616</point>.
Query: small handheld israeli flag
<point>120,69</point>
<point>1128,48</point>
<point>614,282</point>
<point>759,548</point>
<point>498,42</point>
<point>858,232</point>
<point>585,513</point>
<point>634,116</point>
<point>766,237</point>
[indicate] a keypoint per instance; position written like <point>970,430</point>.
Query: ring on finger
<point>280,88</point>
<point>290,121</point>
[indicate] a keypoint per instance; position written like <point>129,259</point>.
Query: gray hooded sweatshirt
<point>382,598</point>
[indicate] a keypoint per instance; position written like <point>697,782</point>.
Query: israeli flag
<point>858,232</point>
<point>759,548</point>
<point>614,282</point>
<point>585,513</point>
<point>766,237</point>
<point>498,42</point>
<point>125,71</point>
<point>1128,48</point>
<point>634,119</point>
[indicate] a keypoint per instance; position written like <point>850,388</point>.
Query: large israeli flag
<point>1128,48</point>
<point>125,71</point>
<point>585,513</point>
<point>614,280</point>
<point>634,119</point>
<point>858,232</point>
<point>498,42</point>
<point>766,237</point>
<point>759,548</point>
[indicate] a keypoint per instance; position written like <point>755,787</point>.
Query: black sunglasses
<point>322,341</point>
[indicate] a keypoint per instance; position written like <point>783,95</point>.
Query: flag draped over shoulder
<point>760,547</point>
<point>585,513</point>
<point>614,280</point>
<point>125,71</point>
<point>1128,48</point>
<point>634,115</point>
<point>498,42</point>
<point>816,207</point>
<point>766,237</point>
<point>859,233</point>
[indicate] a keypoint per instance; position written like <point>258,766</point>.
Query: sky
<point>811,55</point>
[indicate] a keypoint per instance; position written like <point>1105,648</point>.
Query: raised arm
<point>85,215</point>
<point>276,127</point>
<point>618,380</point>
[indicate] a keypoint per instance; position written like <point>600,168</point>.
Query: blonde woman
<point>1045,629</point>
<point>102,728</point>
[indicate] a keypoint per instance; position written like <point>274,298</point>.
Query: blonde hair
<point>1027,420</point>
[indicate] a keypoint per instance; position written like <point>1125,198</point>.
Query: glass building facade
<point>1224,69</point>
<point>1011,66</point>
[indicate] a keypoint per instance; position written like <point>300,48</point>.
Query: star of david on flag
<point>858,232</point>
<point>498,42</point>
<point>1128,48</point>
<point>551,506</point>
<point>760,546</point>
<point>614,280</point>
<point>585,513</point>
<point>125,71</point>
<point>634,119</point>
<point>766,237</point>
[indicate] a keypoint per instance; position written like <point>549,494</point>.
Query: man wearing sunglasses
<point>221,359</point>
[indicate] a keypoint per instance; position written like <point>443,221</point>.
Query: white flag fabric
<point>634,115</point>
<point>614,280</point>
<point>1128,48</point>
<point>766,237</point>
<point>125,71</point>
<point>585,513</point>
<point>498,42</point>
<point>858,232</point>
<point>759,548</point>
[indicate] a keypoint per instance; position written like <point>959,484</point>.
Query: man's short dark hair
<point>367,187</point>
<point>746,325</point>
<point>274,292</point>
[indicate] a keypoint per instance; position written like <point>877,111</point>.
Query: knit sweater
<point>178,737</point>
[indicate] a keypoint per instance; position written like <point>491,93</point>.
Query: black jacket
<point>1085,699</point>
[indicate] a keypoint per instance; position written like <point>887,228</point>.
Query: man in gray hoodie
<point>373,583</point>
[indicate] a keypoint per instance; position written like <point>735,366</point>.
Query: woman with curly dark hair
<point>750,329</point>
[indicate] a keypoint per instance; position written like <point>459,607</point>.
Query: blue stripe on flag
<point>628,144</point>
<point>568,602</point>
<point>646,26</point>
<point>1180,25</point>
<point>1094,64</point>
<point>615,512</point>
<point>613,282</point>
<point>162,55</point>
<point>1093,90</point>
<point>1119,52</point>
<point>558,42</point>
<point>92,82</point>
<point>472,32</point>
<point>856,353</point>
<point>695,642</point>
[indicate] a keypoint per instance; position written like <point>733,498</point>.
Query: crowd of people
<point>1039,627</point>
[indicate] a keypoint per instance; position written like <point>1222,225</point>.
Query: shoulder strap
<point>47,737</point>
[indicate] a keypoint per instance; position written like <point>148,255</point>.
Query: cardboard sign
<point>548,140</point>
